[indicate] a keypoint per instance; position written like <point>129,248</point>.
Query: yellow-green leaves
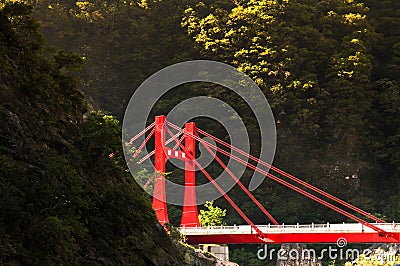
<point>352,18</point>
<point>213,216</point>
<point>88,11</point>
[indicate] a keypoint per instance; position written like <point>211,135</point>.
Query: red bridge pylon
<point>162,154</point>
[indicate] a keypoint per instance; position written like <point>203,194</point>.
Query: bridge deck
<point>299,233</point>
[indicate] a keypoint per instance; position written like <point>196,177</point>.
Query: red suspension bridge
<point>366,227</point>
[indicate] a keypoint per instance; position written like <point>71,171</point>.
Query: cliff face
<point>62,200</point>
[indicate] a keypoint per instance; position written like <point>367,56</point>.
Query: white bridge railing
<point>297,228</point>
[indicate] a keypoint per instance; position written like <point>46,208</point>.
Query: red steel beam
<point>189,212</point>
<point>159,195</point>
<point>280,238</point>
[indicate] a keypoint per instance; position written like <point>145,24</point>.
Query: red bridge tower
<point>162,154</point>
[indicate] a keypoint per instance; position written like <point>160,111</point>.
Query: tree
<point>213,216</point>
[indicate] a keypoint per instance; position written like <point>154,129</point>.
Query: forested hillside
<point>62,200</point>
<point>329,68</point>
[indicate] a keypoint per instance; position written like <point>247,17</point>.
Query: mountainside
<point>62,200</point>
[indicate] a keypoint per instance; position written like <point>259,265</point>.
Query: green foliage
<point>123,42</point>
<point>213,216</point>
<point>55,237</point>
<point>286,49</point>
<point>18,27</point>
<point>63,201</point>
<point>393,208</point>
<point>175,234</point>
<point>69,61</point>
<point>101,136</point>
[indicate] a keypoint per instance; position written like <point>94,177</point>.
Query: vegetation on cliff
<point>62,200</point>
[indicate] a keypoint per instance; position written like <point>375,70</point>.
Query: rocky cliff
<point>62,200</point>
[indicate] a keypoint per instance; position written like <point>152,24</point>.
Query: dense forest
<point>330,70</point>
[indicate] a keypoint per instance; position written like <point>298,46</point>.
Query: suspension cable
<point>140,134</point>
<point>285,183</point>
<point>293,187</point>
<point>153,152</point>
<point>144,143</point>
<point>297,180</point>
<point>242,186</point>
<point>233,204</point>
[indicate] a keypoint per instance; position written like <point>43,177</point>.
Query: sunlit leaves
<point>240,35</point>
<point>213,216</point>
<point>352,18</point>
<point>87,11</point>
